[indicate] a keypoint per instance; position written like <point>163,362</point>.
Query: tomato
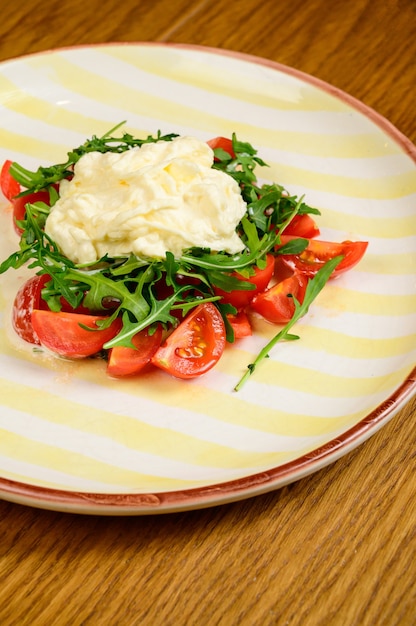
<point>319,252</point>
<point>123,361</point>
<point>302,226</point>
<point>61,332</point>
<point>224,144</point>
<point>19,206</point>
<point>67,308</point>
<point>240,298</point>
<point>27,299</point>
<point>195,346</point>
<point>240,325</point>
<point>276,303</point>
<point>9,186</point>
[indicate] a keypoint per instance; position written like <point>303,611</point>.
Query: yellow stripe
<point>348,146</point>
<point>387,264</point>
<point>126,431</point>
<point>311,381</point>
<point>392,227</point>
<point>340,344</point>
<point>48,112</point>
<point>78,465</point>
<point>260,92</point>
<point>359,302</point>
<point>109,92</point>
<point>22,478</point>
<point>226,407</point>
<point>380,188</point>
<point>265,93</point>
<point>343,345</point>
<point>162,389</point>
<point>41,150</point>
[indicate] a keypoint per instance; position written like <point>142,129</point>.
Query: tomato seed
<point>189,353</point>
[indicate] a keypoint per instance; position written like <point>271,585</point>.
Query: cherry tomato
<point>27,299</point>
<point>302,226</point>
<point>319,252</point>
<point>240,298</point>
<point>195,346</point>
<point>123,361</point>
<point>224,143</point>
<point>240,325</point>
<point>67,308</point>
<point>276,303</point>
<point>9,186</point>
<point>61,332</point>
<point>19,206</point>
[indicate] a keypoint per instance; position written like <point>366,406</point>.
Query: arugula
<point>314,287</point>
<point>129,286</point>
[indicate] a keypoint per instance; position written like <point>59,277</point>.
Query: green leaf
<point>158,311</point>
<point>222,155</point>
<point>228,283</point>
<point>294,246</point>
<point>314,287</point>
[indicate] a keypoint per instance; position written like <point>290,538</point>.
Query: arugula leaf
<point>294,246</point>
<point>314,287</point>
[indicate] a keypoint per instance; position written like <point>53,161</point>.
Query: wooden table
<point>337,547</point>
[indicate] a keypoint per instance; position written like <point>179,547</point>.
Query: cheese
<point>160,197</point>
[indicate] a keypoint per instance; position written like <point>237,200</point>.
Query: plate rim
<point>142,503</point>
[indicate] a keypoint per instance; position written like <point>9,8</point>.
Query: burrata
<point>160,197</point>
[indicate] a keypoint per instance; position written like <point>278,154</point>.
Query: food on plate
<point>157,252</point>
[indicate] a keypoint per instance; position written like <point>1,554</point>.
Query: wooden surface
<point>335,548</point>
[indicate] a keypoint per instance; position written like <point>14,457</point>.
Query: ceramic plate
<point>74,440</point>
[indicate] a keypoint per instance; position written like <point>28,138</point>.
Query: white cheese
<point>161,197</point>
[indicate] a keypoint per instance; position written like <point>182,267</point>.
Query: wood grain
<point>336,548</point>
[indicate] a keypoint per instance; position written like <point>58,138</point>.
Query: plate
<point>73,439</point>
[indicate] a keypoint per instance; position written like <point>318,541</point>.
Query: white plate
<point>74,440</point>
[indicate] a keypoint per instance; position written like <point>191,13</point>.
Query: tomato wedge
<point>9,186</point>
<point>302,226</point>
<point>276,303</point>
<point>319,252</point>
<point>240,298</point>
<point>240,324</point>
<point>61,332</point>
<point>224,143</point>
<point>19,206</point>
<point>26,300</point>
<point>124,361</point>
<point>195,346</point>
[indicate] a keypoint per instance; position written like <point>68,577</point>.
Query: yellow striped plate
<point>73,439</point>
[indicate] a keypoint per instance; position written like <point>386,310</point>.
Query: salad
<point>178,310</point>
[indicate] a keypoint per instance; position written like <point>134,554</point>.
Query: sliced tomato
<point>124,361</point>
<point>61,332</point>
<point>276,303</point>
<point>302,226</point>
<point>19,206</point>
<point>319,252</point>
<point>240,324</point>
<point>240,298</point>
<point>195,346</point>
<point>224,143</point>
<point>9,186</point>
<point>27,299</point>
